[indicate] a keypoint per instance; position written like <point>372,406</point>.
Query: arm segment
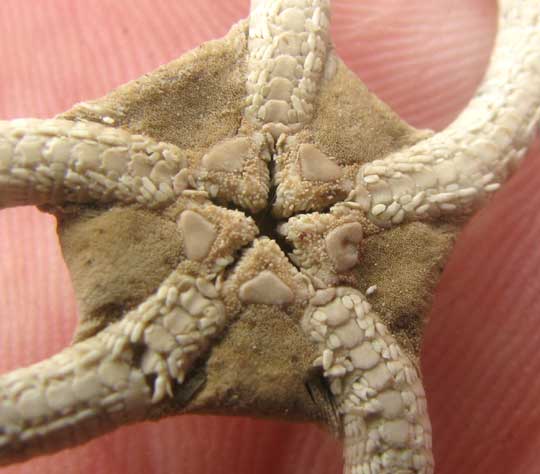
<point>455,170</point>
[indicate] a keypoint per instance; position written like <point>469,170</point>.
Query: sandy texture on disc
<point>405,263</point>
<point>261,368</point>
<point>116,259</point>
<point>192,102</point>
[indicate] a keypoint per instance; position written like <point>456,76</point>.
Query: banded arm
<point>288,46</point>
<point>455,170</point>
<point>377,389</point>
<point>110,379</point>
<point>58,161</point>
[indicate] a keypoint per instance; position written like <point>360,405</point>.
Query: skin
<point>480,358</point>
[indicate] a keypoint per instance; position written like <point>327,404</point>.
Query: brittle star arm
<point>118,375</point>
<point>133,365</point>
<point>454,171</point>
<point>378,392</point>
<point>60,161</point>
<point>101,383</point>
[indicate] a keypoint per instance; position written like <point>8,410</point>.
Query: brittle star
<point>208,201</point>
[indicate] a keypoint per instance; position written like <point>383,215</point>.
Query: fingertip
<point>424,59</point>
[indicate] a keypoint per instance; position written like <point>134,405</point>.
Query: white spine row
<point>378,392</point>
<point>288,44</point>
<point>99,384</point>
<point>53,161</point>
<point>456,169</point>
